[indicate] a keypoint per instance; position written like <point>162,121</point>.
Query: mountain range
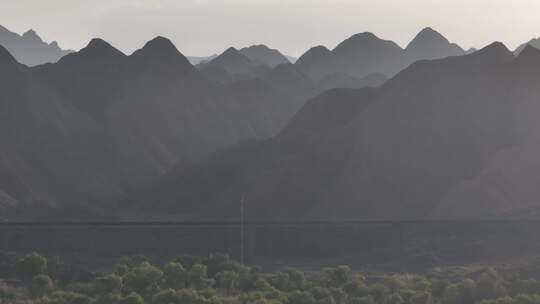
<point>368,130</point>
<point>29,48</point>
<point>453,138</point>
<point>364,54</point>
<point>87,129</point>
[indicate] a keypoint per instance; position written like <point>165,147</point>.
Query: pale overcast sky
<point>201,27</point>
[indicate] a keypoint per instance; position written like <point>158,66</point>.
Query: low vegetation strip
<point>217,279</point>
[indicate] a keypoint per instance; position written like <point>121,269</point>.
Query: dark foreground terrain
<point>374,246</point>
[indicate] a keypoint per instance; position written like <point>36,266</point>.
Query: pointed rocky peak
<point>97,50</point>
<point>55,45</point>
<point>496,52</point>
<point>160,45</point>
<point>101,47</point>
<point>430,44</point>
<point>529,55</point>
<point>161,51</point>
<point>427,36</point>
<point>32,35</point>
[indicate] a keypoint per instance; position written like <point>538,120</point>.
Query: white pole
<point>242,231</point>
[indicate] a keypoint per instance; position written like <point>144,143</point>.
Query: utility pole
<point>242,231</point>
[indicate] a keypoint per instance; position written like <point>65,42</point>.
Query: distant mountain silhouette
<point>533,42</point>
<point>29,48</point>
<point>364,54</point>
<point>429,44</point>
<point>264,55</point>
<point>453,138</point>
<point>81,133</point>
<point>231,66</point>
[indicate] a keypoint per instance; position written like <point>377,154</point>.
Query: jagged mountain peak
<point>100,48</point>
<point>427,36</point>
<point>100,45</point>
<point>31,34</point>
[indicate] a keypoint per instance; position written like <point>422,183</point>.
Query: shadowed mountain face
<point>364,54</point>
<point>449,138</point>
<point>264,55</point>
<point>86,130</point>
<point>29,49</point>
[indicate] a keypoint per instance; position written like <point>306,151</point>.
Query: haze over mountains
<point>99,122</point>
<point>149,136</point>
<point>449,138</point>
<point>29,48</point>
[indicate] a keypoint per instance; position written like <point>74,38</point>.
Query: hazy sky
<point>201,27</point>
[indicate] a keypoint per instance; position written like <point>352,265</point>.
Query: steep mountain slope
<point>79,134</point>
<point>449,138</point>
<point>364,54</point>
<point>264,55</point>
<point>29,49</point>
<point>535,42</point>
